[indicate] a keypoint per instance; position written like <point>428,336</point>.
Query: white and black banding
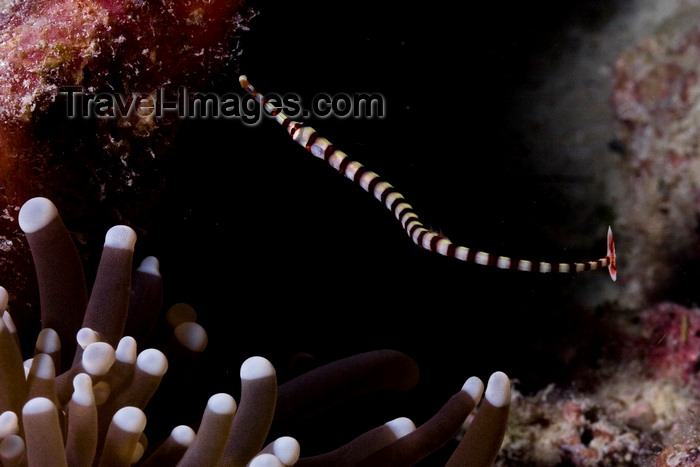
<point>395,202</point>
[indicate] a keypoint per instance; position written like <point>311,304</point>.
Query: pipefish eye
<point>395,202</point>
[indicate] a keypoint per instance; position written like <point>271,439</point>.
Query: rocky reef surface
<point>56,58</point>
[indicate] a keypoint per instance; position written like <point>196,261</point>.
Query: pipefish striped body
<point>384,192</point>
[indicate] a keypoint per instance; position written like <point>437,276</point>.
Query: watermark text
<point>183,103</point>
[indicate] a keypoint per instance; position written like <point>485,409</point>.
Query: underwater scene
<point>244,233</point>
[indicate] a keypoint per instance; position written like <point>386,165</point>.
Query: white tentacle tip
<point>183,435</point>
<point>98,358</point>
<point>9,424</point>
<point>153,362</point>
<point>474,387</point>
<point>36,214</point>
<point>192,336</point>
<point>498,390</point>
<point>401,426</point>
<point>265,460</point>
<point>38,405</point>
<point>126,350</point>
<point>222,403</point>
<point>12,447</point>
<point>82,390</point>
<point>43,367</point>
<point>48,341</point>
<point>286,449</point>
<point>257,368</point>
<point>150,265</point>
<point>122,237</point>
<point>86,336</point>
<point>130,419</point>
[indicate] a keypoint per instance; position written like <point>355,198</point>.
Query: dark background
<point>279,253</point>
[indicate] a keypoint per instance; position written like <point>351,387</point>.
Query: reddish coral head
<point>121,47</point>
<point>118,46</point>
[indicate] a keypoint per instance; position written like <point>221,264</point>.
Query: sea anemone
<point>81,398</point>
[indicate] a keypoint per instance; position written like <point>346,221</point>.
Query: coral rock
<point>105,169</point>
<point>655,92</point>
